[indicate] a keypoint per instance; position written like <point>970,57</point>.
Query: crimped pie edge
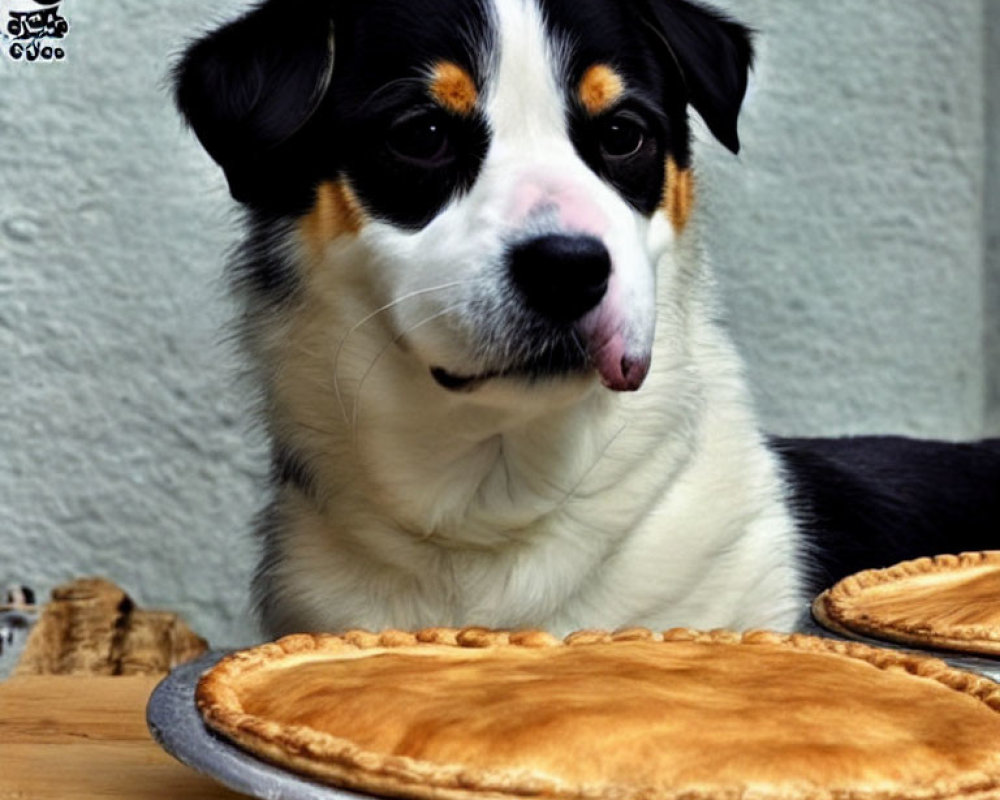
<point>835,607</point>
<point>331,758</point>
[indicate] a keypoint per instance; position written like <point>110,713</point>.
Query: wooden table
<point>67,738</point>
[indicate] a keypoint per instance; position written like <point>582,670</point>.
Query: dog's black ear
<point>247,88</point>
<point>714,55</point>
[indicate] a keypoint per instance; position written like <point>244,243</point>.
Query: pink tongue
<point>618,371</point>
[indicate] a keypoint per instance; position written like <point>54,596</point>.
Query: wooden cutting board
<point>80,738</point>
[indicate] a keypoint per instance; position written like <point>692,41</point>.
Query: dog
<point>485,333</point>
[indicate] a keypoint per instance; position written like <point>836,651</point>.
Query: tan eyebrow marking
<point>600,88</point>
<point>678,195</point>
<point>453,87</point>
<point>335,212</point>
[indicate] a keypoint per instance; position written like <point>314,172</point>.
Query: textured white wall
<point>849,238</point>
<point>991,216</point>
<point>851,227</point>
<point>122,439</point>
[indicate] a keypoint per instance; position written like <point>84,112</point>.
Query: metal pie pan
<point>176,724</point>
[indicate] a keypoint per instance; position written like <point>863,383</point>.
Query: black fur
<point>873,501</point>
<point>681,55</point>
<point>713,54</point>
<point>250,90</point>
<point>260,268</point>
<point>384,54</point>
<point>606,33</point>
<point>639,179</point>
<point>280,117</point>
<point>288,468</point>
<point>296,92</point>
<point>268,528</point>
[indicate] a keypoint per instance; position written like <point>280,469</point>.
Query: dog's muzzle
<point>561,280</point>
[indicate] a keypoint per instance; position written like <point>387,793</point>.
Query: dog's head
<point>507,172</point>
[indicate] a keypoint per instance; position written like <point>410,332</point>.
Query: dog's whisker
<point>575,339</point>
<point>368,318</point>
<point>315,428</point>
<point>571,493</point>
<point>395,340</point>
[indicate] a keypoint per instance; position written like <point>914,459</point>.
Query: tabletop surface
<point>82,738</point>
<point>85,738</point>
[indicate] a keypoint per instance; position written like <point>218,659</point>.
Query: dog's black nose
<point>561,276</point>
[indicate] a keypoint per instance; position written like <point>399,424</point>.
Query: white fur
<point>558,505</point>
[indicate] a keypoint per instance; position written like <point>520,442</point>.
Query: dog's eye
<point>420,137</point>
<point>622,135</point>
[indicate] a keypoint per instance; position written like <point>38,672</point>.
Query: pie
<point>948,602</point>
<point>448,714</point>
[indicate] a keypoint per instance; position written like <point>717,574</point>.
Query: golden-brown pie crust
<point>947,602</point>
<point>676,716</point>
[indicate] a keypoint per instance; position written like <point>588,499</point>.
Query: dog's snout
<point>561,276</point>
